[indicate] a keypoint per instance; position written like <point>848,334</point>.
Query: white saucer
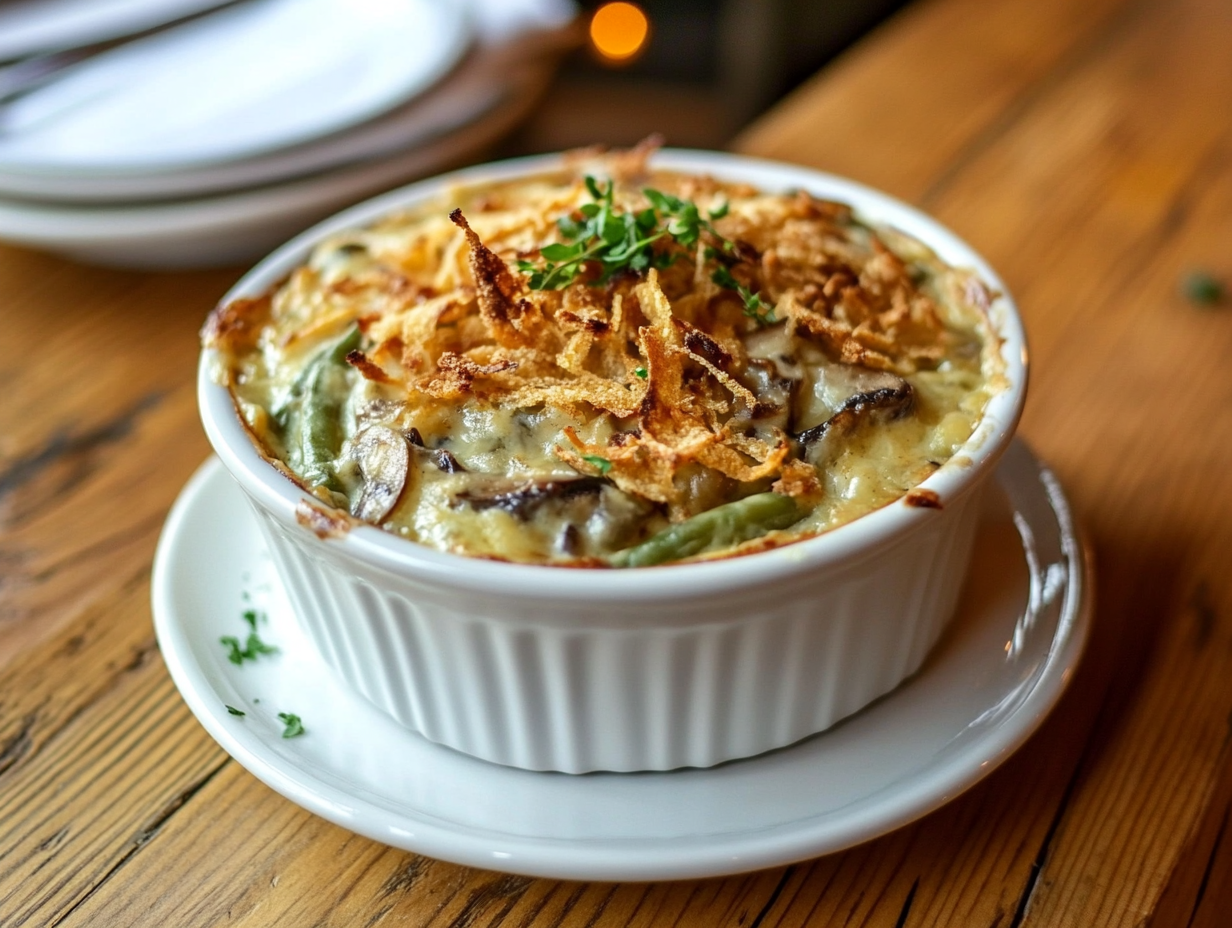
<point>997,672</point>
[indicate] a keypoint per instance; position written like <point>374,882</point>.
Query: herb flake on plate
<point>293,726</point>
<point>252,647</point>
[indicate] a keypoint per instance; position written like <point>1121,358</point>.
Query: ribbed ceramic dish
<point>645,669</point>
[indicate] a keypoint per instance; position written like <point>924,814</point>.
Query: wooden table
<point>1086,149</point>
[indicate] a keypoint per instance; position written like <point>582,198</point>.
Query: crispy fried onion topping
<point>660,355</point>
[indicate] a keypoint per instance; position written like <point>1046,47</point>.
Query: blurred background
<point>188,133</point>
<point>694,70</point>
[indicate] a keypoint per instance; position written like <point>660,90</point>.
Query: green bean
<point>720,527</point>
<point>338,351</point>
<point>335,353</point>
<point>320,423</point>
<point>323,393</point>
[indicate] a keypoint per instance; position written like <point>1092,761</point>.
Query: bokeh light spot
<point>618,31</point>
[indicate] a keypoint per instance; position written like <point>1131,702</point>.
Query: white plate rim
<point>409,125</point>
<point>464,96</point>
<point>451,25</point>
<point>77,24</point>
<point>625,859</point>
<point>125,235</point>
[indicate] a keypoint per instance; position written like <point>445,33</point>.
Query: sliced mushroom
<point>617,520</point>
<point>383,456</point>
<point>521,499</point>
<point>441,457</point>
<point>843,396</point>
<point>445,461</point>
<point>775,393</point>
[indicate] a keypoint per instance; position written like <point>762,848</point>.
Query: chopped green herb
<point>684,221</point>
<point>252,647</point>
<point>235,711</point>
<point>754,306</point>
<point>603,464</point>
<point>292,724</point>
<point>641,372</point>
<point>618,240</point>
<point>1203,288</point>
<point>235,654</point>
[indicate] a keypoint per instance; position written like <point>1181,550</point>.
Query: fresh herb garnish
<point>235,711</point>
<point>754,306</point>
<point>293,726</point>
<point>603,464</point>
<point>255,646</point>
<point>235,653</point>
<point>619,240</point>
<point>684,220</point>
<point>252,647</point>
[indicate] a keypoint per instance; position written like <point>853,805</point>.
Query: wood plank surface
<point>1086,150</point>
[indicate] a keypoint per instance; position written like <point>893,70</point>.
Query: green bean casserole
<point>612,366</point>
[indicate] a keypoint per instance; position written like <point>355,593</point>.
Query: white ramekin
<point>655,668</point>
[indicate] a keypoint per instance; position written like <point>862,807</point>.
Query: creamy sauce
<point>845,419</point>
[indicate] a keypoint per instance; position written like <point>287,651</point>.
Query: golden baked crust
<point>678,384</point>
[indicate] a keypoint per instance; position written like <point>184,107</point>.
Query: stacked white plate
<point>210,140</point>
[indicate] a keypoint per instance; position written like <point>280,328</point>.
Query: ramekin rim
<point>855,540</point>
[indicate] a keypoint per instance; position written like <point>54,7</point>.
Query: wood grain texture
<point>87,473</point>
<point>1086,150</point>
<point>906,108</point>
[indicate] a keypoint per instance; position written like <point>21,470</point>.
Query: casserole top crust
<point>611,366</point>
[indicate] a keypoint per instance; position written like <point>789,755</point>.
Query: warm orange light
<point>619,30</point>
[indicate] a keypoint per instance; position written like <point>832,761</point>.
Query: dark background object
<point>707,69</point>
